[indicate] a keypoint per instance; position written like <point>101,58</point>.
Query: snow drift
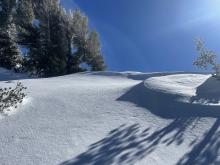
<point>114,118</point>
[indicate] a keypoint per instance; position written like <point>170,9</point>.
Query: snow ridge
<point>114,118</point>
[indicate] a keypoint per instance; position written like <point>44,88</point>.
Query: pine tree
<point>45,40</point>
<point>9,53</point>
<point>42,10</point>
<point>86,43</point>
<point>80,27</point>
<point>57,42</point>
<point>94,55</point>
<point>206,58</point>
<point>27,32</point>
<point>69,33</point>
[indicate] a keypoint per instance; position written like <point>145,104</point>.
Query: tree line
<point>39,37</point>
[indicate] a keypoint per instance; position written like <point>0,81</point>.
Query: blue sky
<point>152,35</point>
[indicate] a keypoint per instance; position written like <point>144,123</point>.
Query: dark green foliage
<point>52,38</point>
<point>9,53</point>
<point>86,44</point>
<point>94,54</point>
<point>76,32</point>
<point>57,42</point>
<point>11,97</point>
<point>6,11</point>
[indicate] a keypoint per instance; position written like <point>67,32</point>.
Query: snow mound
<point>182,84</point>
<point>111,118</point>
<point>134,75</point>
<point>177,95</point>
<point>193,88</point>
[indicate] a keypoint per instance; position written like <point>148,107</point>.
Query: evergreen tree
<point>57,42</point>
<point>94,55</point>
<point>9,53</point>
<point>28,34</point>
<point>206,58</point>
<point>43,59</point>
<point>53,37</point>
<point>86,43</point>
<point>80,29</point>
<point>45,39</point>
<point>69,32</point>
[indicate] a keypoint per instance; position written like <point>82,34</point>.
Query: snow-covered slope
<point>108,118</point>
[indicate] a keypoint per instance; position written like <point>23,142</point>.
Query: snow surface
<point>177,84</point>
<point>105,118</point>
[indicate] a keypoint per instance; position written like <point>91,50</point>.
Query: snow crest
<point>126,118</point>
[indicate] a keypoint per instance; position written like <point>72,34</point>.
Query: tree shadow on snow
<point>129,144</point>
<point>167,105</point>
<point>205,150</point>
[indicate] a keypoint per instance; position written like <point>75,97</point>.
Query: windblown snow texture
<point>105,118</point>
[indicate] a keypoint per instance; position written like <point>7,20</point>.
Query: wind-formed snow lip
<point>141,76</point>
<point>184,85</point>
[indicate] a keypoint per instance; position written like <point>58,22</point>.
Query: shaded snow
<point>6,75</point>
<point>182,84</point>
<point>104,118</point>
<point>194,88</point>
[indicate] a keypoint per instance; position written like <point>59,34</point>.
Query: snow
<point>177,84</point>
<point>7,75</point>
<point>103,118</point>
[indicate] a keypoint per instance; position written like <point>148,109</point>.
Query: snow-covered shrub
<point>207,59</point>
<point>11,97</point>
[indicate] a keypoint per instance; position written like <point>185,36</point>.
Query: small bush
<point>207,59</point>
<point>11,97</point>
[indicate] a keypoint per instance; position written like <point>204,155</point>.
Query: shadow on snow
<point>208,92</point>
<point>129,144</point>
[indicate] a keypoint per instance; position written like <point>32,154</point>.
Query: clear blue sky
<point>152,35</point>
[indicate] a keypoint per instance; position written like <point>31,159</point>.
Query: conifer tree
<point>80,26</point>
<point>9,53</point>
<point>57,42</point>
<point>69,32</point>
<point>28,33</point>
<point>86,43</point>
<point>206,59</point>
<point>54,38</point>
<point>94,55</point>
<point>46,40</point>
